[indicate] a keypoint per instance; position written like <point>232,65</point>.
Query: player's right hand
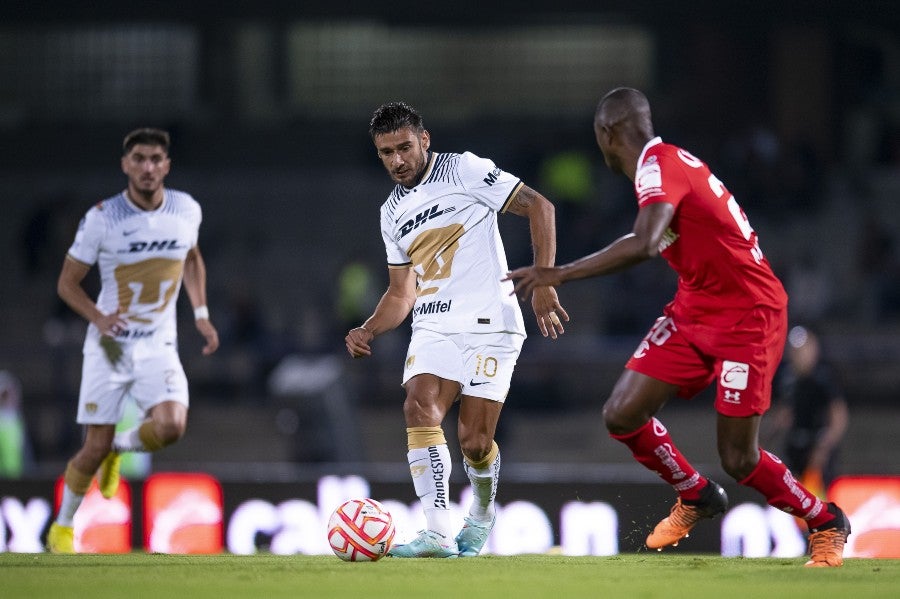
<point>111,324</point>
<point>549,312</point>
<point>357,341</point>
<point>527,278</point>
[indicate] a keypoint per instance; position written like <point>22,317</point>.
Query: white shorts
<point>482,363</point>
<point>149,377</point>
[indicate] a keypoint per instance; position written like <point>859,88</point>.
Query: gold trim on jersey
<point>76,260</point>
<point>512,196</point>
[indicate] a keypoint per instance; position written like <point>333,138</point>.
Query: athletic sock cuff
<point>626,436</point>
<point>486,461</point>
<point>418,437</point>
<point>78,482</point>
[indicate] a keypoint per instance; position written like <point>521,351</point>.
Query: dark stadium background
<point>795,105</point>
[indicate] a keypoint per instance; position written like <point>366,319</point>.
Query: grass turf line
<point>645,575</point>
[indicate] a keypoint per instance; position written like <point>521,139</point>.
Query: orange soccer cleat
<point>684,515</point>
<point>826,543</point>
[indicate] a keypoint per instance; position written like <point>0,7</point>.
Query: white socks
<point>68,506</point>
<point>484,489</point>
<point>430,468</point>
<point>129,440</point>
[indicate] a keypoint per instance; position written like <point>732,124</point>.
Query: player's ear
<point>426,139</point>
<point>607,132</point>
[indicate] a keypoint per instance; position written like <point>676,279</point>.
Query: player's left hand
<point>209,333</point>
<point>549,312</point>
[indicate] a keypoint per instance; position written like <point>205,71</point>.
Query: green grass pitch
<point>641,575</point>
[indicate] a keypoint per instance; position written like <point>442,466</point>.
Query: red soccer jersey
<point>722,271</point>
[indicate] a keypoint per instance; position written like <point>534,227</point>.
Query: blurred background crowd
<point>795,106</point>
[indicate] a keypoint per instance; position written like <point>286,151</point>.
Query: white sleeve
<point>395,255</point>
<point>486,182</point>
<point>198,218</point>
<point>91,230</point>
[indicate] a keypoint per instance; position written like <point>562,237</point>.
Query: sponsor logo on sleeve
<point>648,181</point>
<point>492,176</point>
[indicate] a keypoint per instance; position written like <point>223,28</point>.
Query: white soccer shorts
<point>482,363</point>
<point>150,379</point>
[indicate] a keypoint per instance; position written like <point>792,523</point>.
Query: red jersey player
<point>727,323</point>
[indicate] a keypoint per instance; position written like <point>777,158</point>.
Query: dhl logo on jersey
<point>160,245</point>
<point>421,218</point>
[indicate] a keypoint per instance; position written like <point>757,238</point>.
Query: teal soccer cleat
<point>472,537</point>
<point>427,544</point>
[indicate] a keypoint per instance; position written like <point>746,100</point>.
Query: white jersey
<point>140,255</point>
<point>445,228</point>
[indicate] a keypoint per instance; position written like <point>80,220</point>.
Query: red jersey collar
<point>656,140</point>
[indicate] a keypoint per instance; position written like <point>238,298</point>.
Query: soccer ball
<point>360,530</point>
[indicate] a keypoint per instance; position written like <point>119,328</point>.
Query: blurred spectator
<point>45,234</point>
<point>567,177</point>
<point>810,411</point>
<point>809,285</point>
<point>750,160</point>
<point>316,409</point>
<point>880,269</point>
<point>356,294</point>
<point>248,344</point>
<point>15,453</point>
<point>801,175</point>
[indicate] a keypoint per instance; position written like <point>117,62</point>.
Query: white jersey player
<point>144,244</point>
<point>140,256</point>
<point>446,229</point>
<point>446,262</point>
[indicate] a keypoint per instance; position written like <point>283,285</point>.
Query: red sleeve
<point>661,179</point>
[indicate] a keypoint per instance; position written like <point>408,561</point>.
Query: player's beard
<point>144,191</point>
<point>412,176</point>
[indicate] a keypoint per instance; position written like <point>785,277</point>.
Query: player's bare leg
<point>629,417</point>
<point>165,424</point>
<point>478,419</point>
<point>428,399</point>
<point>79,472</point>
<point>761,470</point>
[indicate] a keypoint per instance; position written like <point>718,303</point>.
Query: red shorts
<point>743,358</point>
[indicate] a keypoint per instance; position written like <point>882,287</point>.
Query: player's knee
<point>476,449</point>
<point>96,445</point>
<point>738,463</point>
<point>421,411</point>
<point>170,432</point>
<point>94,452</point>
<point>615,419</point>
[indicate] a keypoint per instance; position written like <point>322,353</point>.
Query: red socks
<point>772,478</point>
<point>652,446</point>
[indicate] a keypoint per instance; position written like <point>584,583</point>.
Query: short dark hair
<point>146,136</point>
<point>394,116</point>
